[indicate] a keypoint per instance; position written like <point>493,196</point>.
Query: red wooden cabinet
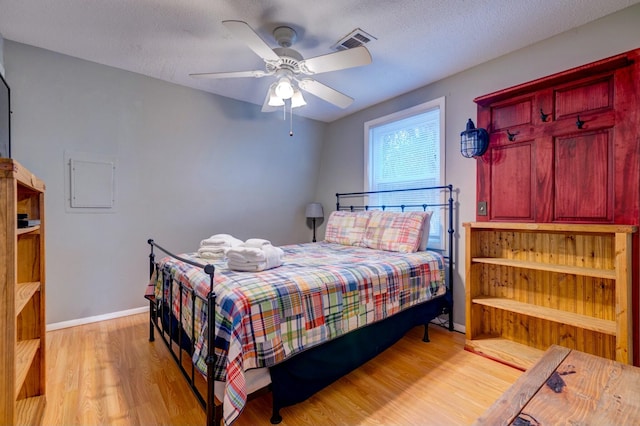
<point>566,149</point>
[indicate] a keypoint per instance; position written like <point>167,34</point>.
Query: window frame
<point>438,103</point>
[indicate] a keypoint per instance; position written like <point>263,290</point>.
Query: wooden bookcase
<point>531,285</point>
<point>22,297</point>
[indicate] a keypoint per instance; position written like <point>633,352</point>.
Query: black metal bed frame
<point>176,332</point>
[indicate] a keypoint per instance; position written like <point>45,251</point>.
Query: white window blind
<point>406,150</point>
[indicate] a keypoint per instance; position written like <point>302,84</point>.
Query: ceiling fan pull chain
<point>291,120</point>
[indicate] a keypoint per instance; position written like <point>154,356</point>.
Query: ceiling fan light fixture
<point>284,89</point>
<point>274,100</point>
<point>297,100</point>
<point>285,64</point>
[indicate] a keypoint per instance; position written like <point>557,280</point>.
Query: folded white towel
<point>247,267</point>
<point>256,242</point>
<point>210,255</point>
<point>246,254</point>
<point>212,252</point>
<point>223,240</point>
<point>215,249</point>
<point>273,257</point>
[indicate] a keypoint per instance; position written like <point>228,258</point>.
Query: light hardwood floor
<point>107,373</point>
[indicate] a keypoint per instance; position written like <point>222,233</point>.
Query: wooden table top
<point>570,387</point>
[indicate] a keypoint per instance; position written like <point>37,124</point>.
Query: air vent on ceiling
<point>356,38</point>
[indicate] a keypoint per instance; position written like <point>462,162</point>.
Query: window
<point>406,150</point>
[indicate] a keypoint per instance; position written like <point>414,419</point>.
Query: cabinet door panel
<point>583,177</point>
<point>512,182</point>
<point>511,115</point>
<point>595,95</point>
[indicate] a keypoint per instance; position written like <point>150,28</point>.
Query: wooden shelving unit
<point>22,297</point>
<point>531,285</point>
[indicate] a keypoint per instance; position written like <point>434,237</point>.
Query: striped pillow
<point>346,228</point>
<point>395,231</point>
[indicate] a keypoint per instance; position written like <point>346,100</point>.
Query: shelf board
<point>24,292</point>
<point>29,411</point>
<point>505,351</point>
<point>586,228</point>
<point>28,230</point>
<point>25,353</point>
<point>550,314</point>
<point>539,266</point>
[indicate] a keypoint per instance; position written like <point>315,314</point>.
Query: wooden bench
<point>570,387</point>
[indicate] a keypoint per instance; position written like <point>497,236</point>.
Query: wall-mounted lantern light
<point>473,142</point>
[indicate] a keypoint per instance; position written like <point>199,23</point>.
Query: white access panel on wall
<point>91,183</point>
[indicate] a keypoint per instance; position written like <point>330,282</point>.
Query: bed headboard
<point>438,199</point>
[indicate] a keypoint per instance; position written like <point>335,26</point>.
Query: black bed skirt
<point>297,378</point>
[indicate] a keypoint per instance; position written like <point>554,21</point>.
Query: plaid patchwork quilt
<point>322,291</point>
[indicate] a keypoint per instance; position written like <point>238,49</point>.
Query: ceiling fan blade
<point>234,74</point>
<point>242,31</point>
<point>350,58</point>
<point>325,92</point>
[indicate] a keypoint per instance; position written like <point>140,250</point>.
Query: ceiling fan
<point>290,68</point>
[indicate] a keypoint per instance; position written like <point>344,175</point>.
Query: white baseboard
<point>445,321</point>
<point>459,328</point>
<point>97,318</point>
<point>88,320</point>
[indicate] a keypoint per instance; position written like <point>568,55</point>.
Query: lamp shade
<point>284,89</point>
<point>274,100</point>
<point>297,100</point>
<point>314,210</point>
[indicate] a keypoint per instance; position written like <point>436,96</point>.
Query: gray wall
<point>1,55</point>
<point>190,164</point>
<point>342,167</point>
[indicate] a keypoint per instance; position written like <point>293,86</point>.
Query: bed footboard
<point>161,318</point>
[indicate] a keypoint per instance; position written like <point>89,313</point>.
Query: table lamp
<point>314,211</point>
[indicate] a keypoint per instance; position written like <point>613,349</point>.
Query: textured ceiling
<point>418,41</point>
